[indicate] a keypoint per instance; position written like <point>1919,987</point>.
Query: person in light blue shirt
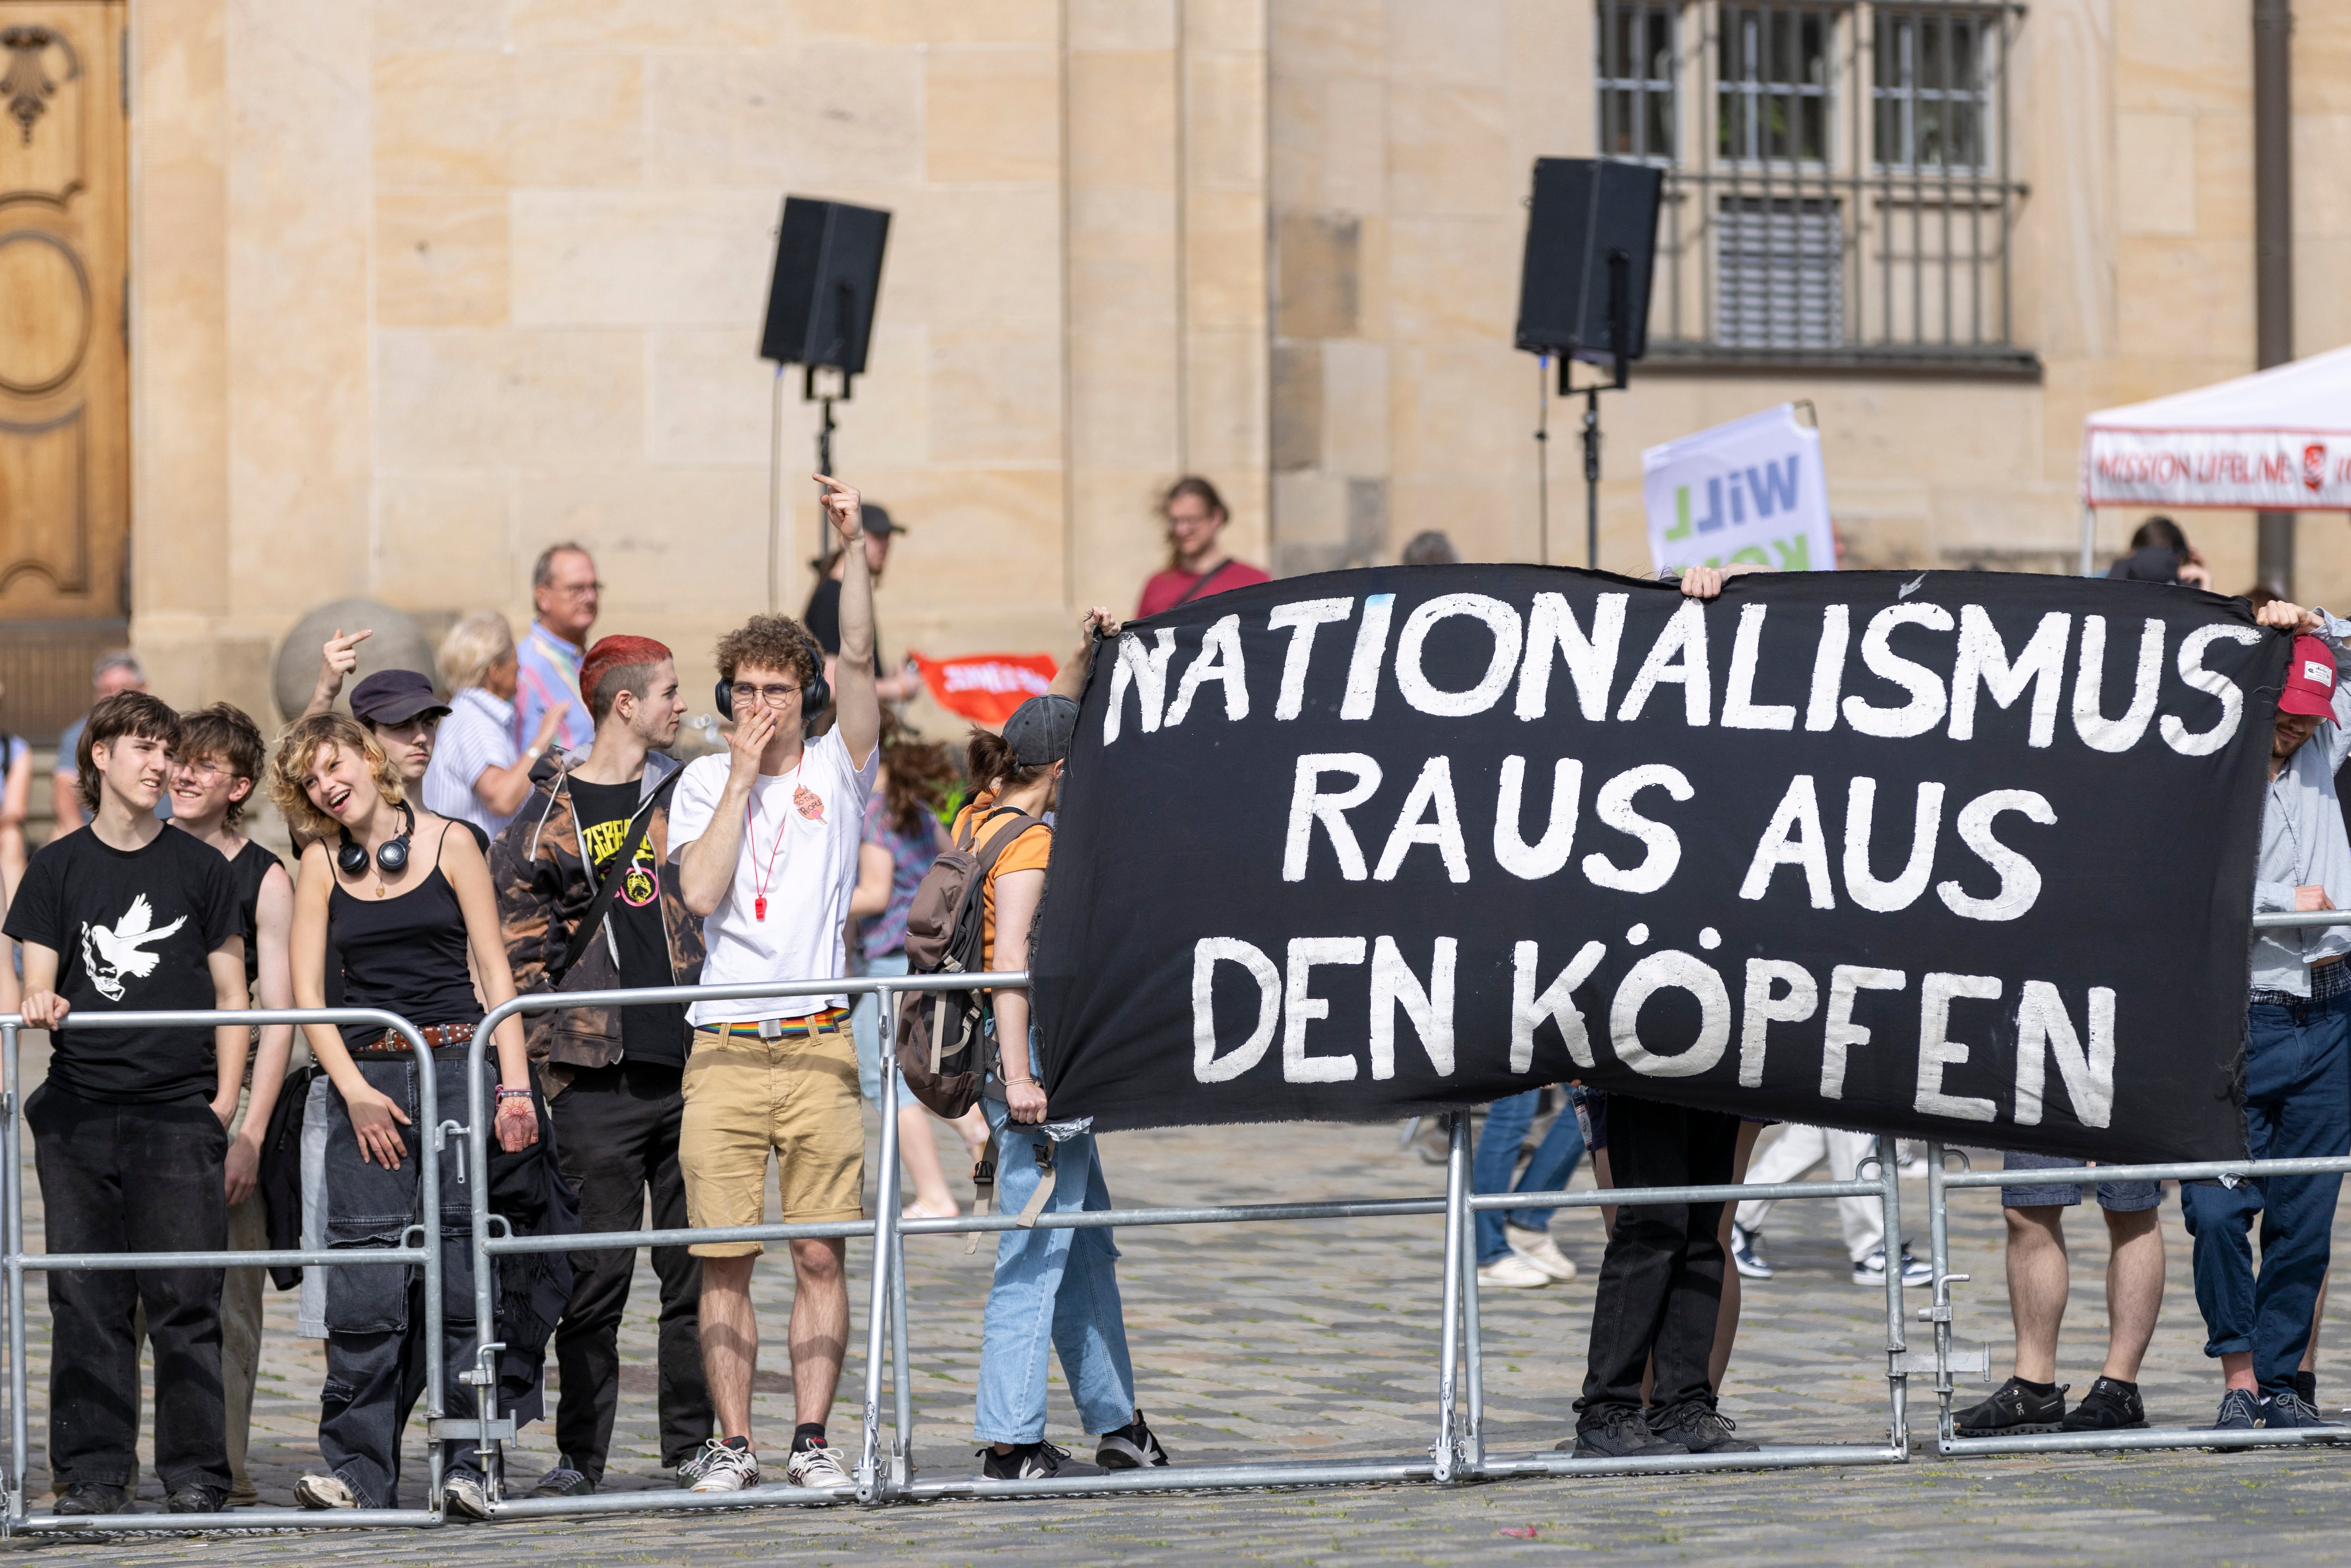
<point>565,593</point>
<point>2297,1068</point>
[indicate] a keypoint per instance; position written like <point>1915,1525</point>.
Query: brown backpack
<point>941,1033</point>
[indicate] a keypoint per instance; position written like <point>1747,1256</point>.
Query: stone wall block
<point>964,254</point>
<point>445,541</point>
<point>440,257</point>
<point>1121,24</point>
<point>995,398</point>
<point>440,117</point>
<point>1319,258</point>
<point>1227,419</point>
<point>1464,43</point>
<point>1453,278</point>
<point>651,23</point>
<point>2155,168</point>
<point>641,257</point>
<point>1340,37</point>
<point>1123,412</point>
<point>1122,255</point>
<point>1224,249</point>
<point>1355,407</point>
<point>1225,110</point>
<point>1448,150</point>
<point>577,120</point>
<point>991,114</point>
<point>2182,56</point>
<point>1123,119</point>
<point>490,398</point>
<point>1298,393</point>
<point>834,115</point>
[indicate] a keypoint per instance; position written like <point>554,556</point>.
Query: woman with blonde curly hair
<point>403,901</point>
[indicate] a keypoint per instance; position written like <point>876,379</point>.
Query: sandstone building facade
<point>306,299</point>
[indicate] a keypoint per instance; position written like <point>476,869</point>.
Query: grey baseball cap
<point>1040,729</point>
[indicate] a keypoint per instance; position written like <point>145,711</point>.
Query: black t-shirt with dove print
<point>131,929</point>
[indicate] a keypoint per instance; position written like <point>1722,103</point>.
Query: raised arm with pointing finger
<point>857,706</point>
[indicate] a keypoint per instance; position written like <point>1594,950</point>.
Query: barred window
<point>1843,197</point>
<point>1637,76</point>
<point>1771,85</point>
<point>1930,88</point>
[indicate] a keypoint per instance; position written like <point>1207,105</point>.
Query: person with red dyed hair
<point>587,857</point>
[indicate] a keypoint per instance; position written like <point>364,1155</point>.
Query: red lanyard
<point>759,878</point>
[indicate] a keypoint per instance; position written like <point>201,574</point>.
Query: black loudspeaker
<point>1586,211</point>
<point>828,271</point>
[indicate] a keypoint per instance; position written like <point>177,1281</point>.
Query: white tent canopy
<point>2278,441</point>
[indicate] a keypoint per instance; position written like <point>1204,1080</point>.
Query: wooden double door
<point>64,355</point>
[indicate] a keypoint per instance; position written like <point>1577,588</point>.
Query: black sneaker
<point>2012,1411</point>
<point>1618,1432</point>
<point>2110,1406</point>
<point>197,1498</point>
<point>92,1496</point>
<point>1131,1448</point>
<point>566,1479</point>
<point>2287,1409</point>
<point>2241,1411</point>
<point>1699,1428</point>
<point>1032,1462</point>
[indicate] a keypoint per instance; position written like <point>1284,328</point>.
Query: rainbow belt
<point>787,1028</point>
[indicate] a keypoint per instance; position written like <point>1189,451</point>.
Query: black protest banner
<point>1963,856</point>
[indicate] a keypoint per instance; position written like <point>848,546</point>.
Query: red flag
<point>987,687</point>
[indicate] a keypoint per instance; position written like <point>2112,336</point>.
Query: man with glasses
<point>564,592</point>
<point>765,839</point>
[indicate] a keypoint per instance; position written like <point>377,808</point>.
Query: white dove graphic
<point>109,955</point>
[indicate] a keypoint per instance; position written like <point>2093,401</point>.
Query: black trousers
<point>133,1178</point>
<point>616,1129</point>
<point>1661,1279</point>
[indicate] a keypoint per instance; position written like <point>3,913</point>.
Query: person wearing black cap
<point>1056,1287</point>
<point>823,616</point>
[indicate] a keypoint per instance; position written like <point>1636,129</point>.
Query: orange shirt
<point>1030,851</point>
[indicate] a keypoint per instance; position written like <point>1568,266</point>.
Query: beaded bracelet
<point>506,1093</point>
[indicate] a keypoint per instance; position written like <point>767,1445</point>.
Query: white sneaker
<point>719,1467</point>
<point>461,1493</point>
<point>815,1466</point>
<point>1512,1273</point>
<point>324,1492</point>
<point>1537,1248</point>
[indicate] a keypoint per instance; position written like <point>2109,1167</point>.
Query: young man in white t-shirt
<point>766,842</point>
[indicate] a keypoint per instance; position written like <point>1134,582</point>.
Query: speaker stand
<point>1620,266</point>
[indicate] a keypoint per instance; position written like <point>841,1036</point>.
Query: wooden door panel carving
<point>64,371</point>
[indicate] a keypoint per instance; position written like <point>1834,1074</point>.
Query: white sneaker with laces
<point>462,1492</point>
<point>324,1492</point>
<point>1512,1273</point>
<point>1537,1248</point>
<point>815,1466</point>
<point>719,1467</point>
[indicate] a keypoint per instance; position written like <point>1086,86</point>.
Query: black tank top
<point>245,873</point>
<point>405,955</point>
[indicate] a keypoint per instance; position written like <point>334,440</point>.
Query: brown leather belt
<point>392,1042</point>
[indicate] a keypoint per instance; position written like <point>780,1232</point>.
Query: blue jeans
<point>865,1023</point>
<point>2297,1105</point>
<point>1056,1289</point>
<point>1506,1122</point>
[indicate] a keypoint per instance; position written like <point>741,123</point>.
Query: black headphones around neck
<point>815,697</point>
<point>391,859</point>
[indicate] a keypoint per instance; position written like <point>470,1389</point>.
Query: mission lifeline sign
<point>1957,856</point>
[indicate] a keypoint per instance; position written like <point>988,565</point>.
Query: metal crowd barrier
<point>883,1471</point>
<point>1949,1359</point>
<point>429,1133</point>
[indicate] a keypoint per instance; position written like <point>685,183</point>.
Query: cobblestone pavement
<point>1303,1340</point>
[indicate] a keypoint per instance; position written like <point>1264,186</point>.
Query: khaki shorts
<point>744,1096</point>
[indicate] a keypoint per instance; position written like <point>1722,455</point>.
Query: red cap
<point>610,654</point>
<point>2309,679</point>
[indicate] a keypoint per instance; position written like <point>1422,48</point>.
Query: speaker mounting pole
<point>1620,267</point>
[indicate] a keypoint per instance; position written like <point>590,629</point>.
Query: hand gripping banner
<point>1960,855</point>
